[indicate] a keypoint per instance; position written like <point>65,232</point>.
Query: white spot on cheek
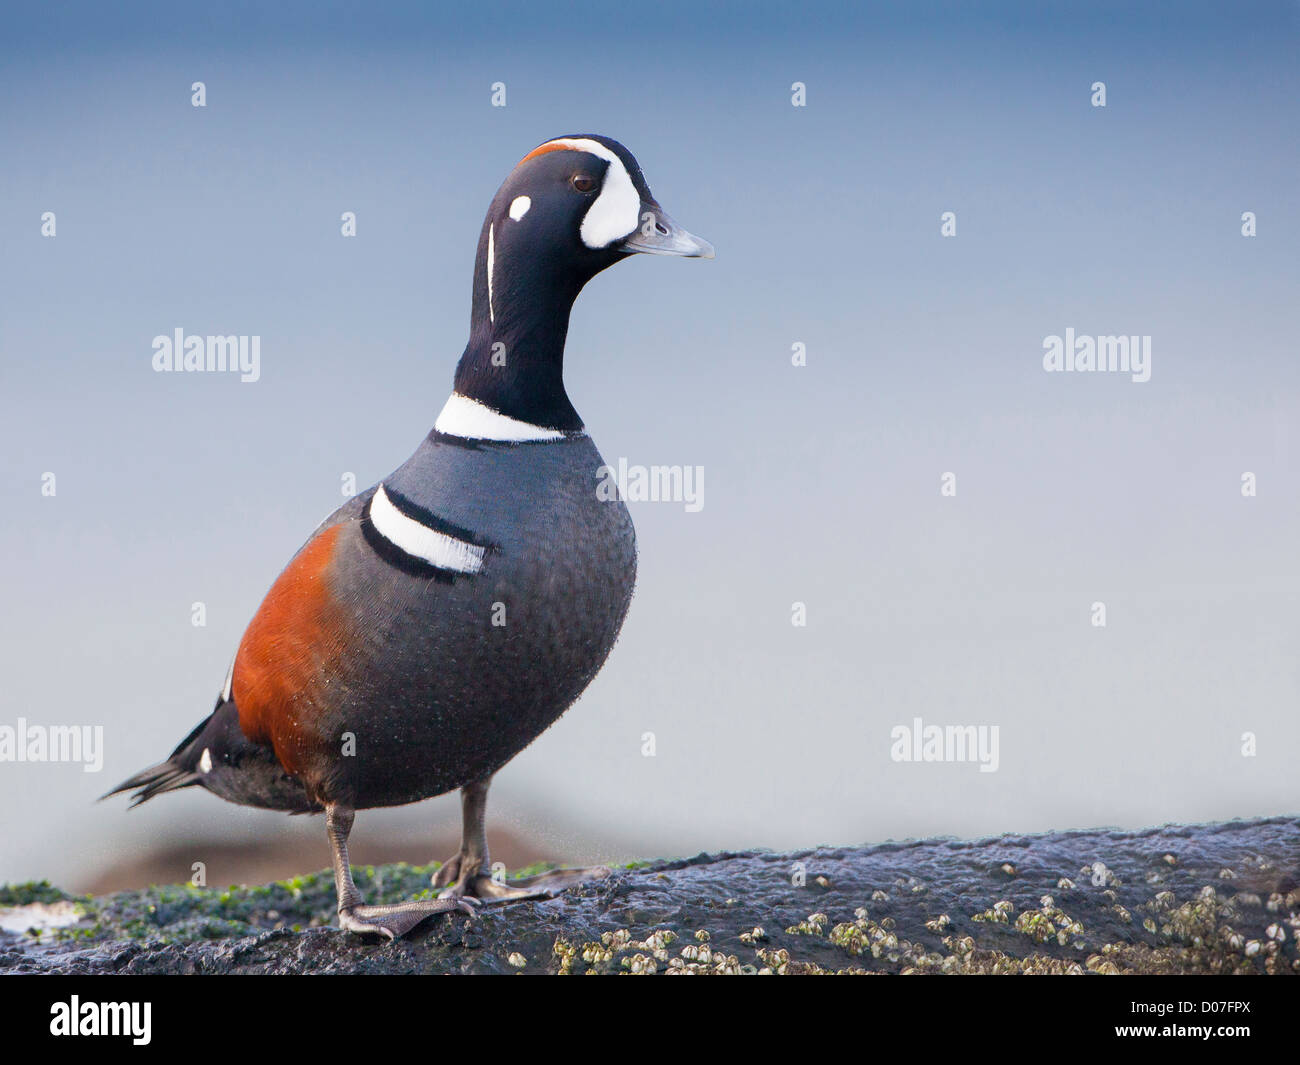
<point>205,763</point>
<point>519,207</point>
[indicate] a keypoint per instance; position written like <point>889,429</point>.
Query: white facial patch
<point>419,541</point>
<point>617,210</point>
<point>472,420</point>
<point>205,762</point>
<point>519,207</point>
<point>492,317</point>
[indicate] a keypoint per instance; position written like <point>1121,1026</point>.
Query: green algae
<point>187,913</point>
<point>33,891</point>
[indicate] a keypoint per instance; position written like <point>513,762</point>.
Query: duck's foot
<point>463,875</point>
<point>460,878</point>
<point>402,917</point>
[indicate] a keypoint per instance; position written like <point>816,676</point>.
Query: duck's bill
<point>660,235</point>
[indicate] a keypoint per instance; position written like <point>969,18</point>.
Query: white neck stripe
<point>492,314</point>
<point>473,420</point>
<point>419,541</point>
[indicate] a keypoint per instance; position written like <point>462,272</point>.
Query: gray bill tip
<point>659,234</point>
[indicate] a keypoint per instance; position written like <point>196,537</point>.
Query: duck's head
<point>570,208</point>
<point>583,201</point>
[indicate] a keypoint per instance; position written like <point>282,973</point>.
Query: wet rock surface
<point>1181,899</point>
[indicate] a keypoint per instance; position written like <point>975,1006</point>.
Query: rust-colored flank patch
<point>297,631</point>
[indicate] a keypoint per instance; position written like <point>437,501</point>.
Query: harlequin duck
<point>436,624</point>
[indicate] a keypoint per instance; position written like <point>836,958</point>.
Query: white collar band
<point>473,420</point>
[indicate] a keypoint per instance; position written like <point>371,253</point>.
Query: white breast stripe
<point>491,258</point>
<point>617,210</point>
<point>419,541</point>
<point>472,420</point>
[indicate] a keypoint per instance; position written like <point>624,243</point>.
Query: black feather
<point>175,773</point>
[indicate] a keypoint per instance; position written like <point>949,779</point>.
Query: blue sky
<point>822,482</point>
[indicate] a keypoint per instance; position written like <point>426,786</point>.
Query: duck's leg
<point>469,873</point>
<point>391,921</point>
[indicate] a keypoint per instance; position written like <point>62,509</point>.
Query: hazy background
<point>821,482</point>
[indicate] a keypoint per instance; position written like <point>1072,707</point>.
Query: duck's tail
<point>179,771</point>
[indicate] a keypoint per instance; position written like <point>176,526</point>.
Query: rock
<point>1099,901</point>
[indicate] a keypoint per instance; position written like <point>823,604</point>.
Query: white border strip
<point>419,541</point>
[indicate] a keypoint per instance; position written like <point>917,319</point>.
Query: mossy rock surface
<point>1220,898</point>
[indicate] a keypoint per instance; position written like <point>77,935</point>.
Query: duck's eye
<point>583,182</point>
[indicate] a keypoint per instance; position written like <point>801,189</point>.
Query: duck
<point>437,623</point>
